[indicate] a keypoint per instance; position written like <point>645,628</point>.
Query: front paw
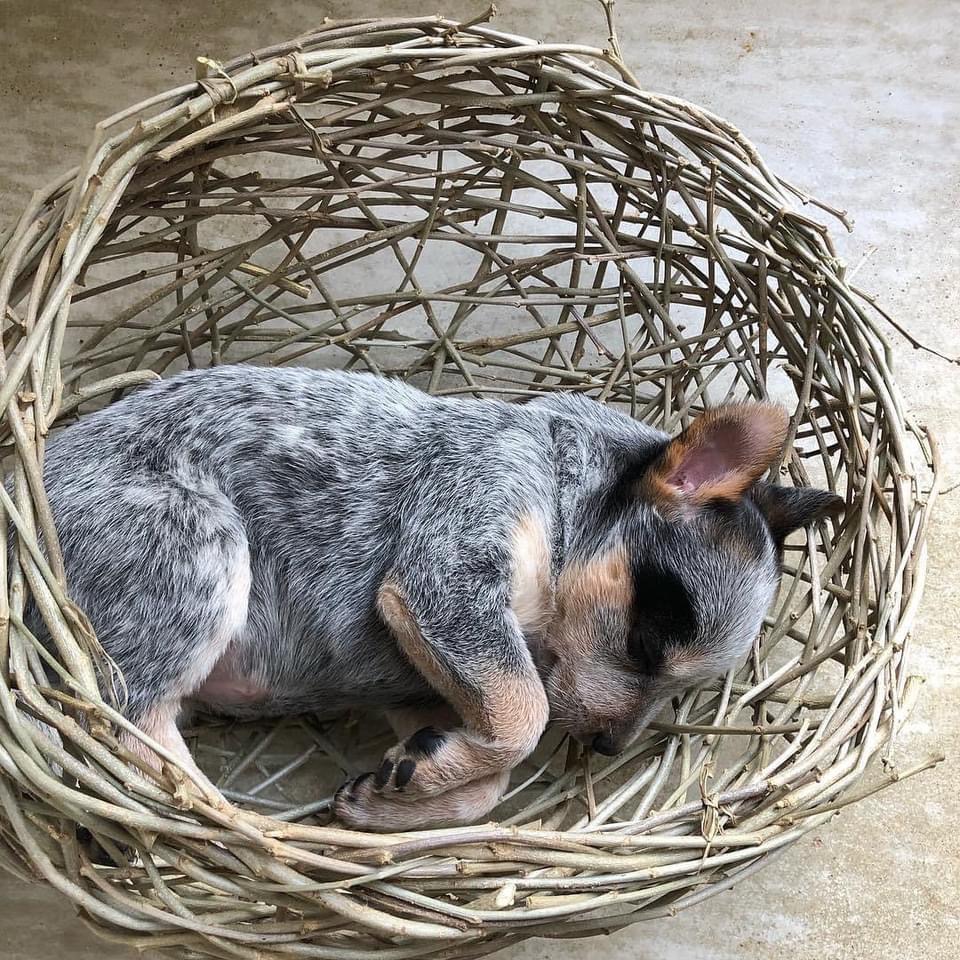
<point>363,806</point>
<point>416,759</point>
<point>353,802</point>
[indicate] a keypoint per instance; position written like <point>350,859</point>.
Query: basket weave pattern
<point>481,215</point>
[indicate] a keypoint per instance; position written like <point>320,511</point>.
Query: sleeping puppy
<point>272,541</point>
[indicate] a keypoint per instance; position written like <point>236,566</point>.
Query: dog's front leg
<point>369,809</point>
<point>483,670</point>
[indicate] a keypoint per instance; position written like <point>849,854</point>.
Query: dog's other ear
<point>720,455</point>
<point>790,508</point>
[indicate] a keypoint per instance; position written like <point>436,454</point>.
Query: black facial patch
<point>425,742</point>
<point>662,616</point>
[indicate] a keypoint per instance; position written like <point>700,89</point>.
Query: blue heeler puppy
<point>269,541</point>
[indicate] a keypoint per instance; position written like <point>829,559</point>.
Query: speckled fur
<point>228,532</point>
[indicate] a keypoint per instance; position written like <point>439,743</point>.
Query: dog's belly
<point>374,678</point>
<point>229,688</point>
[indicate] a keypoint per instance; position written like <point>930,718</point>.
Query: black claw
<point>425,742</point>
<point>405,770</point>
<point>355,786</point>
<point>383,774</point>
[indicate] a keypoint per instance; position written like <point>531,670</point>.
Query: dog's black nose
<point>603,743</point>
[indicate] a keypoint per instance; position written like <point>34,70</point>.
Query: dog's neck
<point>590,464</point>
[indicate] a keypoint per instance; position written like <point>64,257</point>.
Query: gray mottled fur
<point>259,511</point>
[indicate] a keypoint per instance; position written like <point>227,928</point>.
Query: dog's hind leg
<point>163,572</point>
<point>160,724</point>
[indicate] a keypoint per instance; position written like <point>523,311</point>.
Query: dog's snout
<point>604,743</point>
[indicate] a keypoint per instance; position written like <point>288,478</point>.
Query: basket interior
<point>473,239</point>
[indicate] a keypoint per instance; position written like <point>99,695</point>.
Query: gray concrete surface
<point>858,102</point>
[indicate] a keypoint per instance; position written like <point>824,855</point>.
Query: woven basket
<point>482,215</point>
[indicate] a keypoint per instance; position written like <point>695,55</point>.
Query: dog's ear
<point>790,508</point>
<point>720,456</point>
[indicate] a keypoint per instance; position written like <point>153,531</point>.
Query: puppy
<point>267,542</point>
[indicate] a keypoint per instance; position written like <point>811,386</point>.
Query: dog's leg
<point>364,809</point>
<point>492,685</point>
<point>368,810</point>
<point>176,560</point>
<point>160,724</point>
<point>405,721</point>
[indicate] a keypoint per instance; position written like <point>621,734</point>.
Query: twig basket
<point>482,215</point>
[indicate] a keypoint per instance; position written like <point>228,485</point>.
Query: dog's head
<point>671,582</point>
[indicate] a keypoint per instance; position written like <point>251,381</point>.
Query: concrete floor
<point>857,102</point>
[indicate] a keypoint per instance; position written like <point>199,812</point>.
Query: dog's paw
<point>413,763</point>
<point>362,805</point>
<point>359,804</point>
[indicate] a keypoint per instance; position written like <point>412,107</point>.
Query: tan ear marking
<point>720,455</point>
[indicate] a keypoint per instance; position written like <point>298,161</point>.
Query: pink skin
<point>224,686</point>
